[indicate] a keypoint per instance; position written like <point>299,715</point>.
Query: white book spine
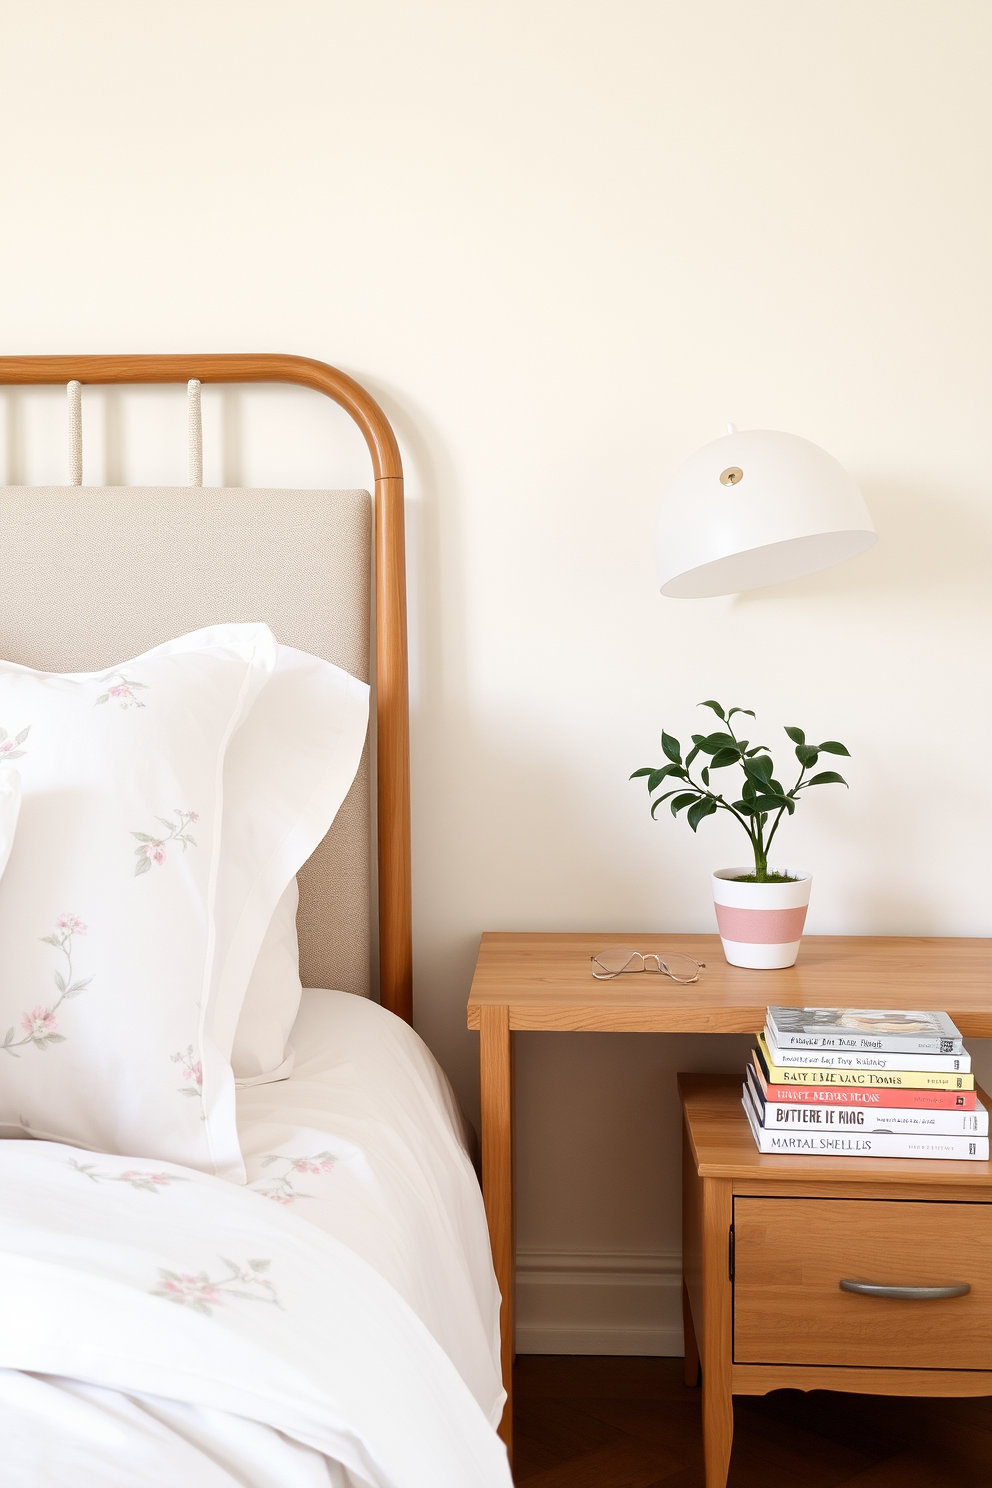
<point>864,1043</point>
<point>777,1117</point>
<point>875,1144</point>
<point>951,1064</point>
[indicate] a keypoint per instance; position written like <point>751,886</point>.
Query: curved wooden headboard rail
<point>392,700</point>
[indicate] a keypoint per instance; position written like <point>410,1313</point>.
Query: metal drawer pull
<point>906,1293</point>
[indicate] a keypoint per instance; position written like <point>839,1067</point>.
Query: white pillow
<point>288,770</point>
<point>10,800</point>
<point>262,1052</point>
<point>108,982</point>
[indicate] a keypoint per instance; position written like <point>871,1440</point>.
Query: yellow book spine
<point>778,1074</point>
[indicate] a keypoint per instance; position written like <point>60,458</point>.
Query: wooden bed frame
<point>392,701</point>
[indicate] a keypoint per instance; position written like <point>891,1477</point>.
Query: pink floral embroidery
<point>123,691</point>
<point>10,749</point>
<point>192,1076</point>
<point>282,1189</point>
<point>152,849</point>
<point>40,1024</point>
<point>201,1292</point>
<point>133,1177</point>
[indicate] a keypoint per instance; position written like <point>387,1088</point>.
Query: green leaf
<point>644,770</point>
<point>705,775</point>
<point>746,808</point>
<point>22,735</point>
<point>681,802</point>
<point>143,837</point>
<point>713,742</point>
<point>672,748</point>
<point>659,799</point>
<point>60,981</point>
<point>759,769</point>
<point>142,866</point>
<point>705,807</point>
<point>807,755</point>
<point>50,940</point>
<point>723,758</point>
<point>77,987</point>
<point>691,755</point>
<point>767,803</point>
<point>748,711</point>
<point>716,708</point>
<point>264,1265</point>
<point>827,777</point>
<point>190,1090</point>
<point>655,779</point>
<point>832,747</point>
<point>104,699</point>
<point>171,826</point>
<point>796,735</point>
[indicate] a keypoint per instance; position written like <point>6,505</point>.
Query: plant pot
<point>761,924</point>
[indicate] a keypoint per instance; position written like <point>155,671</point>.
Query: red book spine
<point>818,1095</point>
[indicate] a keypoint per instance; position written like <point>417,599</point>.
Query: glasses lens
<point>681,968</point>
<point>614,960</point>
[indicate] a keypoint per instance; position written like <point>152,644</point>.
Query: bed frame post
<point>392,695</point>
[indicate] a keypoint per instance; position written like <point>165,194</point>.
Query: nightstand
<point>767,1240</point>
<point>545,982</point>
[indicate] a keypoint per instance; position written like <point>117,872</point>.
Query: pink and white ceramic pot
<point>760,925</point>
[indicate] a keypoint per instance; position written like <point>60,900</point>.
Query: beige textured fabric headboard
<point>91,576</point>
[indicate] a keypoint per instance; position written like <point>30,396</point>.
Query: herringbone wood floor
<point>583,1422</point>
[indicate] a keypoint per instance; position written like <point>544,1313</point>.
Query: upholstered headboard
<point>90,576</point>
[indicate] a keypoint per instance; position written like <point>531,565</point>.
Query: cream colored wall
<point>564,242</point>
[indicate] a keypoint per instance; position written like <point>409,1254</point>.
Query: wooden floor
<point>584,1422</point>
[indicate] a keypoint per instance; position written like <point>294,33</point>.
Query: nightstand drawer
<point>792,1254</point>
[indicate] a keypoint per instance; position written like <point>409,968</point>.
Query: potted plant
<point>760,911</point>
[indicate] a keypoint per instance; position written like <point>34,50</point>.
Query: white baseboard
<point>599,1302</point>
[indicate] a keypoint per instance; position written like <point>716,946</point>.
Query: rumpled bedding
<point>333,1324</point>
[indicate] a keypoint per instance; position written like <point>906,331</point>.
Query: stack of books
<point>852,1082</point>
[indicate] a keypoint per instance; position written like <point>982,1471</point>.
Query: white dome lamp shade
<point>755,508</point>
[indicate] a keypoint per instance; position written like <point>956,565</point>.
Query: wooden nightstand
<point>545,982</point>
<point>766,1241</point>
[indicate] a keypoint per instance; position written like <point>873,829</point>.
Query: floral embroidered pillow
<point>107,905</point>
<point>10,800</point>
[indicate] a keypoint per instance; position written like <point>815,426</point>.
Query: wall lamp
<point>753,508</point>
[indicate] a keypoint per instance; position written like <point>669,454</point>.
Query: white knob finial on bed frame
<point>195,432</point>
<point>74,390</point>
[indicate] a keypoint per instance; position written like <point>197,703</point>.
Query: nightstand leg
<point>691,1350</point>
<point>716,1344</point>
<point>496,1075</point>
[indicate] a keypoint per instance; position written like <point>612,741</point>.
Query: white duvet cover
<point>333,1324</point>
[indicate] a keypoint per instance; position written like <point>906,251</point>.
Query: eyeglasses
<point>617,959</point>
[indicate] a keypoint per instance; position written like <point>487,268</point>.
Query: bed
<point>319,1306</point>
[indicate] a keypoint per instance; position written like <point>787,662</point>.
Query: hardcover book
<point>876,1059</point>
<point>865,1095</point>
<point>864,1029</point>
<point>860,1144</point>
<point>777,1074</point>
<point>778,1116</point>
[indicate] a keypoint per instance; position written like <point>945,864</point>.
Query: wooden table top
<point>546,982</point>
<point>723,1147</point>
